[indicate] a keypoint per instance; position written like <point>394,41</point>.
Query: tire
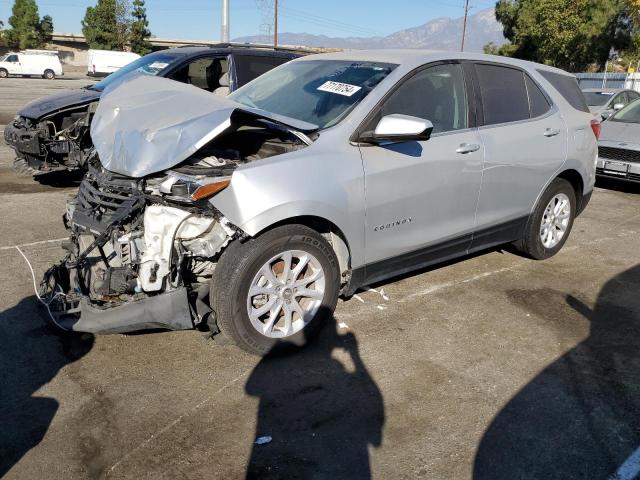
<point>532,244</point>
<point>3,73</point>
<point>242,263</point>
<point>49,74</point>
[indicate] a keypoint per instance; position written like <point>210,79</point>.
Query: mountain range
<point>438,34</point>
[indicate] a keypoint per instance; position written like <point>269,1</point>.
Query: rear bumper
<point>618,169</point>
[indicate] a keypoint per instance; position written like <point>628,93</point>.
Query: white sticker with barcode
<point>158,65</point>
<point>339,88</point>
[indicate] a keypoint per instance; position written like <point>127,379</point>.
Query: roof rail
<point>264,46</point>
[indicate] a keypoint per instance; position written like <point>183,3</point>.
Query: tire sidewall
<point>49,74</point>
<point>3,73</point>
<point>239,290</point>
<point>538,250</point>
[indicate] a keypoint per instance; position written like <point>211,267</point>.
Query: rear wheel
<point>550,224</point>
<point>49,74</point>
<point>276,289</point>
<point>3,73</point>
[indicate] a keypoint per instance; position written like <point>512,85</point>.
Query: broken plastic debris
<point>358,297</point>
<point>382,307</point>
<point>263,440</point>
<point>343,325</point>
<point>384,296</point>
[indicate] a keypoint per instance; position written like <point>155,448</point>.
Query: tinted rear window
<point>249,67</point>
<point>504,94</point>
<point>567,86</point>
<point>538,103</point>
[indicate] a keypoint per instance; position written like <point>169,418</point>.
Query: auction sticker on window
<point>339,88</point>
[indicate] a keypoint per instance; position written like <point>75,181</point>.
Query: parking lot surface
<point>491,367</point>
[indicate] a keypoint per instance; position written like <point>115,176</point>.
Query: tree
<point>27,29</point>
<point>106,26</point>
<point>2,34</point>
<point>569,34</point>
<point>139,29</point>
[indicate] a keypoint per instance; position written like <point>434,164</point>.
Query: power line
<point>464,24</point>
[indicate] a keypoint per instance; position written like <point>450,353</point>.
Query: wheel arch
<point>575,179</point>
<point>326,228</point>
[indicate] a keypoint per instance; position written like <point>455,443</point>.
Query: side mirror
<point>399,128</point>
<point>618,106</point>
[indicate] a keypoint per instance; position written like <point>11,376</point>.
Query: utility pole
<point>464,24</point>
<point>224,31</point>
<point>275,24</point>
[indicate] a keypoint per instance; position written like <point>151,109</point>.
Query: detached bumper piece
<point>75,312</point>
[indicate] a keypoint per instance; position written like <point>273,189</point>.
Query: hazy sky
<point>200,19</point>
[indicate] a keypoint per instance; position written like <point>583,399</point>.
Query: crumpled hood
<point>620,132</point>
<point>60,101</point>
<point>145,124</point>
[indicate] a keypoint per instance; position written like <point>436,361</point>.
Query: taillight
<point>596,127</point>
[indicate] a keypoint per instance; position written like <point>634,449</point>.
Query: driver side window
<point>436,94</point>
<point>12,58</point>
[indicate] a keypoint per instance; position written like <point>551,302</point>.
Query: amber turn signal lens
<point>209,190</point>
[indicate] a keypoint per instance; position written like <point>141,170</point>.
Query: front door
<point>13,65</point>
<point>421,197</point>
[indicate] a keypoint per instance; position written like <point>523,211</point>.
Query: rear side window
<point>538,103</point>
<point>504,94</point>
<point>567,86</point>
<point>250,67</point>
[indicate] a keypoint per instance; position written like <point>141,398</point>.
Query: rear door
<point>525,142</point>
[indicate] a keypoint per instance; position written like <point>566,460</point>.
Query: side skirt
<point>442,252</point>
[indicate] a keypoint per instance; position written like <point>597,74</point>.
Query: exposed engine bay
<point>56,142</point>
<point>142,251</point>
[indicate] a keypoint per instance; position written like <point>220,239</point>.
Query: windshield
<point>629,114</point>
<point>151,64</point>
<point>321,92</point>
<point>597,99</point>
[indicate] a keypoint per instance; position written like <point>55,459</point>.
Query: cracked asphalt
<point>490,367</point>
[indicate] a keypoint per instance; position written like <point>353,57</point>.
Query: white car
<point>104,62</point>
<point>41,63</point>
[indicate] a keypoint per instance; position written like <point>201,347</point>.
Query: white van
<point>43,63</point>
<point>104,62</point>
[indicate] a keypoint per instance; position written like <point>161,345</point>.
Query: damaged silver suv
<point>248,216</point>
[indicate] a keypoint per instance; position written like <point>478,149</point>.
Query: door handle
<point>467,148</point>
<point>551,132</point>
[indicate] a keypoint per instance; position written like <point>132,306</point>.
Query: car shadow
<point>31,354</point>
<point>618,185</point>
<point>321,409</point>
<point>580,416</point>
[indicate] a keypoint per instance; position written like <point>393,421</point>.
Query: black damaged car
<point>52,134</point>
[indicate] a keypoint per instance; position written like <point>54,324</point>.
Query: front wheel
<point>3,73</point>
<point>275,290</point>
<point>550,223</point>
<point>49,74</point>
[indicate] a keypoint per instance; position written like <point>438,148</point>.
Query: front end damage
<point>135,259</point>
<point>59,141</point>
<point>144,236</point>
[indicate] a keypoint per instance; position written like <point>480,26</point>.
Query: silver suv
<point>249,216</point>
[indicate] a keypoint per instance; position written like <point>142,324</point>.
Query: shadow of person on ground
<point>31,354</point>
<point>321,408</point>
<point>580,417</point>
